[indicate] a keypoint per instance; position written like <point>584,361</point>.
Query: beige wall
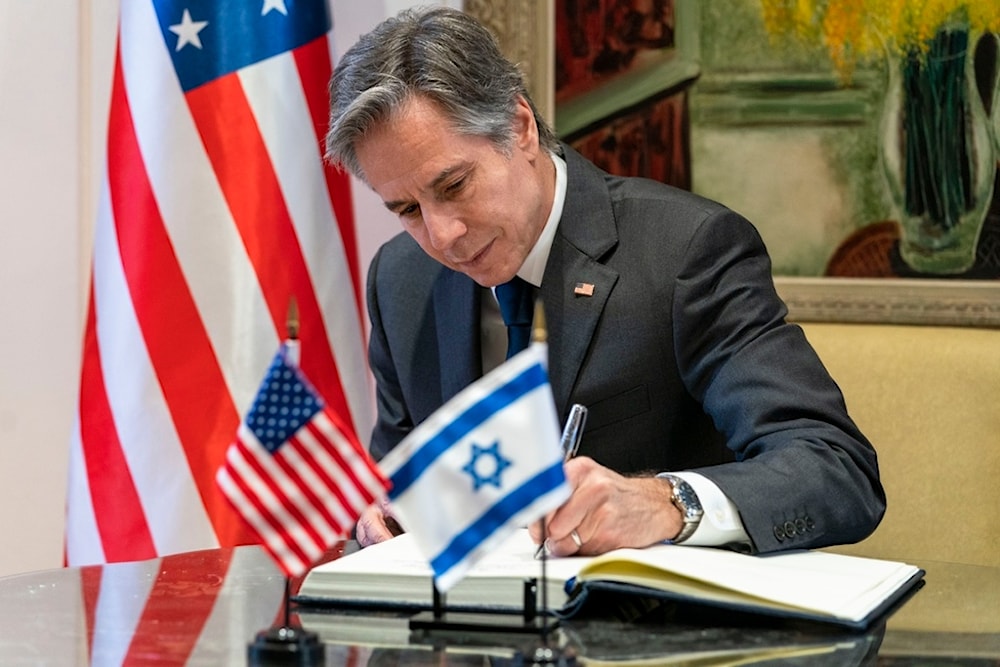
<point>55,71</point>
<point>40,199</point>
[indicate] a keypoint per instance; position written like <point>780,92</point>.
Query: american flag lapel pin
<point>584,289</point>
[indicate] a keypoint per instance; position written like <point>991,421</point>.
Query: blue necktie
<point>517,305</point>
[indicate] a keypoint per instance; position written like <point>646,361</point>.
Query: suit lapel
<point>571,317</point>
<point>586,233</point>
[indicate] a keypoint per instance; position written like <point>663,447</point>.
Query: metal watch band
<point>686,500</point>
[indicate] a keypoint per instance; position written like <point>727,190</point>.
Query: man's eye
<point>409,211</point>
<point>455,187</point>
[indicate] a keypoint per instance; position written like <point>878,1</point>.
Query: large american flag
<point>216,211</point>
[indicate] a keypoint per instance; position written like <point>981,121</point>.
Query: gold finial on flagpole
<point>292,322</point>
<point>539,334</point>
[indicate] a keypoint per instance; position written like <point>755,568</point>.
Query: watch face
<point>686,498</point>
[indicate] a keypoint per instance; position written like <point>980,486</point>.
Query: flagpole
<point>292,336</point>
<point>540,334</point>
<point>287,644</point>
<point>291,344</point>
<point>544,630</point>
<point>545,654</point>
<point>292,319</point>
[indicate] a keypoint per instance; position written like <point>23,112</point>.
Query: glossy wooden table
<point>203,608</point>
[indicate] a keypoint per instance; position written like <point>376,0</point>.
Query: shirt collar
<point>533,268</point>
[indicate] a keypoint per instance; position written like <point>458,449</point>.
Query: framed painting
<point>772,130</point>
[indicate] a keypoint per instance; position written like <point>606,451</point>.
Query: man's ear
<point>525,128</point>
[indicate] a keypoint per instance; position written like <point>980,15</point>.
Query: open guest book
<point>846,591</point>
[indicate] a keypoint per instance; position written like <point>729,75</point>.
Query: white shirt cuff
<point>720,524</point>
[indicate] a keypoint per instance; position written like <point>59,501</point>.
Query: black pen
<point>570,442</point>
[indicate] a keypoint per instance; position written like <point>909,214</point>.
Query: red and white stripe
<point>216,209</point>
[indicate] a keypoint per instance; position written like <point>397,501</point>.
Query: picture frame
<point>967,303</point>
<point>525,31</point>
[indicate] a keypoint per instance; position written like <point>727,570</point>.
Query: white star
<point>274,4</point>
<point>187,31</point>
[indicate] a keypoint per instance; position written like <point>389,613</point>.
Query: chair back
<point>928,398</point>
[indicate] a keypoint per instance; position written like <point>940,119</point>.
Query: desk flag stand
<point>287,644</point>
<point>440,622</point>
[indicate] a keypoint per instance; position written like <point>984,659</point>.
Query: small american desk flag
<point>294,473</point>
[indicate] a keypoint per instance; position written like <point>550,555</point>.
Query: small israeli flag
<point>486,463</point>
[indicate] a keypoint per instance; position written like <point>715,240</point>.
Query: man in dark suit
<point>712,421</point>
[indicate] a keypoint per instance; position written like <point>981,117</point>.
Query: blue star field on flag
<point>204,29</point>
<point>284,404</point>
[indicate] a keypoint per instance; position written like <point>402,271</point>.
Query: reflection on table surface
<point>204,607</point>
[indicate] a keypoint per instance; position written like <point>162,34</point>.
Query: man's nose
<point>443,228</point>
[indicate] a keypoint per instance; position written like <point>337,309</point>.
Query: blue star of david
<point>484,471</point>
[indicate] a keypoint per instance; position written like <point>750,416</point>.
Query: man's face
<point>468,206</point>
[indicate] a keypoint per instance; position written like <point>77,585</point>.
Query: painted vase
<point>938,149</point>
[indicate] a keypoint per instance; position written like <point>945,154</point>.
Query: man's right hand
<point>376,524</point>
<point>609,511</point>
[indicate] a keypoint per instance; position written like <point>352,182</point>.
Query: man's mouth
<point>475,259</point>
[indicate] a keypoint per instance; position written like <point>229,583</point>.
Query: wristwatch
<point>686,500</point>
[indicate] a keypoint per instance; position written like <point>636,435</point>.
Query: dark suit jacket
<point>682,355</point>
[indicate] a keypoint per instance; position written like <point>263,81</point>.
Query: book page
<point>845,587</point>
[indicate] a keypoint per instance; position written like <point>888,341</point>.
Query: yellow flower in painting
<point>855,31</point>
<point>844,34</point>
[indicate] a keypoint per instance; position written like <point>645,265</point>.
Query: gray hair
<point>441,54</point>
